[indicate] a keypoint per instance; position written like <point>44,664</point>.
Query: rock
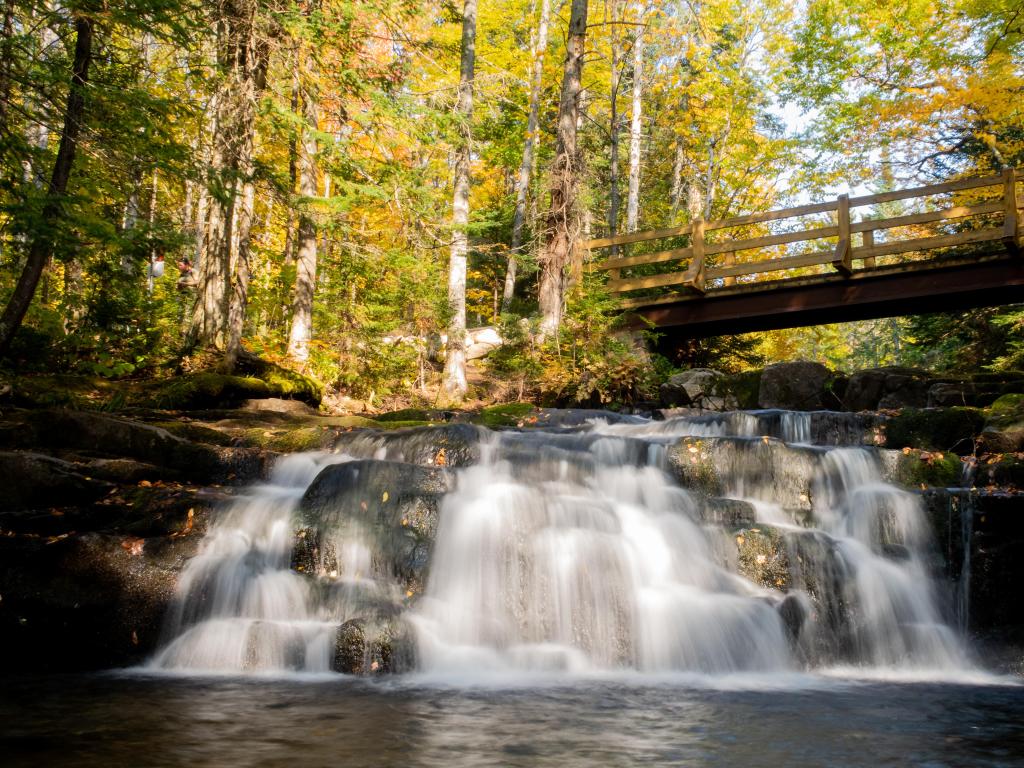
<point>101,435</point>
<point>392,506</point>
<point>34,481</point>
<point>278,405</point>
<point>935,429</point>
<point>1001,471</point>
<point>743,387</point>
<point>887,387</point>
<point>767,468</point>
<point>763,557</point>
<point>1004,424</point>
<point>914,468</point>
<point>697,388</point>
<point>446,445</point>
<point>794,612</point>
<point>91,601</point>
<point>728,513</point>
<point>578,417</point>
<point>128,471</point>
<point>350,649</point>
<point>480,342</point>
<point>798,386</point>
<point>998,441</point>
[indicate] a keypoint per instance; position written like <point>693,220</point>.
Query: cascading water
<point>609,547</point>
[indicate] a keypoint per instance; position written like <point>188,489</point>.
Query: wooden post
<point>869,242</point>
<point>730,259</point>
<point>843,261</point>
<point>696,270</point>
<point>1011,226</point>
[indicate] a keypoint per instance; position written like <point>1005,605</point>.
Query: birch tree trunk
<point>676,193</point>
<point>454,385</point>
<point>614,198</point>
<point>39,250</point>
<point>305,274</point>
<point>560,234</point>
<point>539,49</point>
<point>635,127</point>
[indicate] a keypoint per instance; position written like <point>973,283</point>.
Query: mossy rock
<point>67,391</point>
<point>505,415</point>
<point>403,424</point>
<point>1007,412</point>
<point>744,387</point>
<point>935,429</point>
<point>282,381</point>
<point>291,440</point>
<point>197,433</point>
<point>408,415</point>
<point>915,469</point>
<point>1004,471</point>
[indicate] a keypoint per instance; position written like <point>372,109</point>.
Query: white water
<point>578,553</point>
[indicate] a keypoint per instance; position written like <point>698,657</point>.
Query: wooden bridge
<point>941,247</point>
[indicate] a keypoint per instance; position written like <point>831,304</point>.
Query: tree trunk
<point>241,269</point>
<point>635,128</point>
<point>540,47</point>
<point>454,384</point>
<point>305,274</point>
<point>677,181</point>
<point>560,234</point>
<point>614,198</point>
<point>39,251</point>
<point>242,53</point>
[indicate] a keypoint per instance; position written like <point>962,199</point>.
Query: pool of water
<point>132,720</point>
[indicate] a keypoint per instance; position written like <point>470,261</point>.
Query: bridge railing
<point>837,242</point>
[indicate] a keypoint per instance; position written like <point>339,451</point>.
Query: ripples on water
<point>108,720</point>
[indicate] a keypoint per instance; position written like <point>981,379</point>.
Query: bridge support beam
<point>884,292</point>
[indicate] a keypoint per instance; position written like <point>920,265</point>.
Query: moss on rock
<point>744,387</point>
<point>935,469</point>
<point>763,557</point>
<point>1007,412</point>
<point>935,429</point>
<point>505,415</point>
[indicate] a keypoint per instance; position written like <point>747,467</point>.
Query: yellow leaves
<point>441,458</point>
<point>384,496</point>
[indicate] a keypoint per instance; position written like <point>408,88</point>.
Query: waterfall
<point>714,544</point>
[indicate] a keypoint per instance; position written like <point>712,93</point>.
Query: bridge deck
<point>960,249</point>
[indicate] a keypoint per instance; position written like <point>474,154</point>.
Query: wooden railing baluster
<point>843,263</point>
<point>696,270</point>
<point>1011,234</point>
<point>869,242</point>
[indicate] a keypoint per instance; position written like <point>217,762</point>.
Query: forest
<point>344,187</point>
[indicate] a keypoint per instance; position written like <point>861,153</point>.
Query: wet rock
<point>797,386</point>
<point>938,429</point>
<point>448,445</point>
<point>578,417</point>
<point>1001,471</point>
<point>997,563</point>
<point>793,612</point>
<point>762,557</point>
<point>128,471</point>
<point>393,507</point>
<point>887,387</point>
<point>35,481</point>
<point>844,428</point>
<point>999,441</point>
<point>766,467</point>
<point>350,649</point>
<point>728,513</point>
<point>697,388</point>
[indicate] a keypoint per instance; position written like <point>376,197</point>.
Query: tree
<point>562,219</point>
<point>454,379</point>
<point>636,126</point>
<point>40,249</point>
<point>305,277</point>
<point>525,168</point>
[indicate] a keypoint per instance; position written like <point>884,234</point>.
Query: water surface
<point>125,720</point>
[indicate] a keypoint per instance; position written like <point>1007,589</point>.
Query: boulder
<point>480,342</point>
<point>797,386</point>
<point>393,506</point>
<point>697,388</point>
<point>446,445</point>
<point>278,405</point>
<point>887,387</point>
